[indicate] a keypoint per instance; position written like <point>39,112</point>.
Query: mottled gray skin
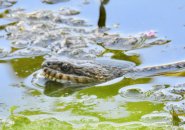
<point>79,72</point>
<point>86,72</point>
<point>160,68</point>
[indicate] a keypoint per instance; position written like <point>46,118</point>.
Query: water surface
<point>101,106</point>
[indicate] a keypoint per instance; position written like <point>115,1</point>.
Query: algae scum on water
<point>130,33</point>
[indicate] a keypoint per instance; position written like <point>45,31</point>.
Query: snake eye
<point>65,67</point>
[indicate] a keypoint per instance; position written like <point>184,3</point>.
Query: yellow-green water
<point>58,107</point>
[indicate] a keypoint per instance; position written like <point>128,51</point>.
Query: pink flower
<point>150,34</point>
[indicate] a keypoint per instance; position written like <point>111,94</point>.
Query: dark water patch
<point>55,89</point>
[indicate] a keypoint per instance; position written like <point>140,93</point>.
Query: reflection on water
<point>102,13</point>
<point>55,89</point>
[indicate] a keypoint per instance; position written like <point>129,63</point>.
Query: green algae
<point>54,124</point>
<point>4,13</point>
<point>133,110</point>
<point>22,123</point>
<point>174,74</point>
<point>112,90</point>
<point>120,55</point>
<point>2,27</point>
<point>138,109</point>
<point>29,112</point>
<point>23,67</point>
<point>34,92</point>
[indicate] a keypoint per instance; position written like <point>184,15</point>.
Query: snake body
<point>94,72</point>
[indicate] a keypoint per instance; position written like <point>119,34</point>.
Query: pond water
<point>57,106</point>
